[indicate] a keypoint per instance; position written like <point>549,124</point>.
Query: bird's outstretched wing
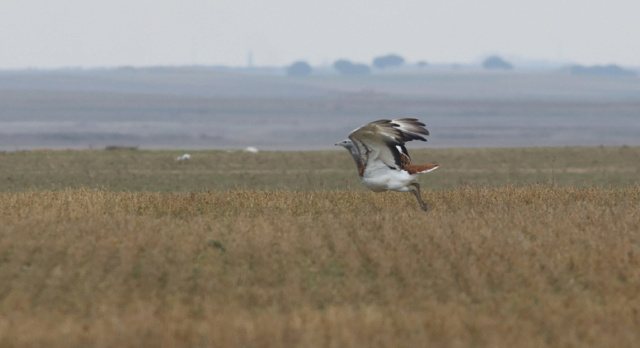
<point>383,141</point>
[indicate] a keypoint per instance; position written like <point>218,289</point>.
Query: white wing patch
<point>429,170</point>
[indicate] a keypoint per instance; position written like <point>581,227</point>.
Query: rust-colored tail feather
<point>420,168</point>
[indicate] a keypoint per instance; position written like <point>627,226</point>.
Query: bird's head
<point>345,143</point>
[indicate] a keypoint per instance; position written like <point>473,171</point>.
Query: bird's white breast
<point>384,178</point>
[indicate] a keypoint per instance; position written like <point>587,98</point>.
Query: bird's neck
<point>356,158</point>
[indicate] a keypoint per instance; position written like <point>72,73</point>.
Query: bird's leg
<point>416,192</point>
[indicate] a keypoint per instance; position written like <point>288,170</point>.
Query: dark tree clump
<point>345,67</point>
<point>391,60</point>
<point>299,68</point>
<point>496,63</point>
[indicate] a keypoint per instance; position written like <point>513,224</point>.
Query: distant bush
<point>391,60</point>
<point>299,68</point>
<point>345,67</point>
<point>496,63</point>
<point>601,70</point>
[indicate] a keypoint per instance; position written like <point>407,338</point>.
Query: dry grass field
<point>531,248</point>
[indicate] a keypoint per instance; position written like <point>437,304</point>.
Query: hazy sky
<point>89,33</point>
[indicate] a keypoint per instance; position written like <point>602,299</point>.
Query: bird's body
<point>382,160</point>
<point>184,157</point>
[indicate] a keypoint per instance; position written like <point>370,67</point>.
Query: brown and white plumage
<point>383,161</point>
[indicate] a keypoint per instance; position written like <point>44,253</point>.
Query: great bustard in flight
<point>382,160</point>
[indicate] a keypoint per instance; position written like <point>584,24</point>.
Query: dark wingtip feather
<point>411,129</point>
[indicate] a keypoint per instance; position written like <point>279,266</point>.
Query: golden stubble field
<point>524,265</point>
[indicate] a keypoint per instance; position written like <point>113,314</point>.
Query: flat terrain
<point>190,108</point>
<point>521,247</point>
<point>315,170</point>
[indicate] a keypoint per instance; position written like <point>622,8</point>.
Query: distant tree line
<point>390,61</point>
<point>346,67</point>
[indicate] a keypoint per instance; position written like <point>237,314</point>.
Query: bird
<point>383,162</point>
<point>184,157</point>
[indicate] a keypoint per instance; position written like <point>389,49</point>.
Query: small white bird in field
<point>382,160</point>
<point>184,157</point>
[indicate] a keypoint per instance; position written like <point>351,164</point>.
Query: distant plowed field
<point>520,252</point>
